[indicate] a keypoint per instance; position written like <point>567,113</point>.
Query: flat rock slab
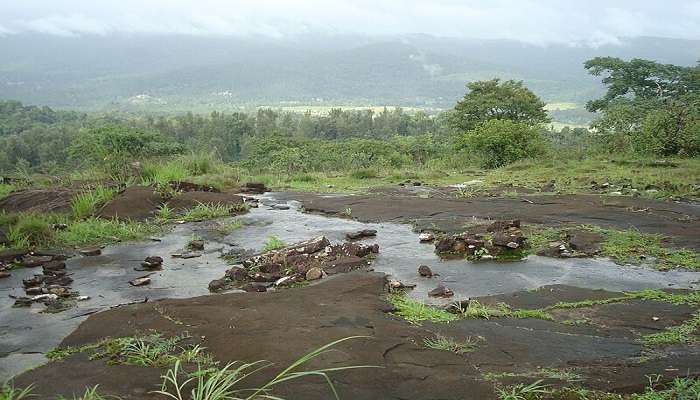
<point>282,325</point>
<point>134,202</point>
<point>38,201</point>
<point>677,220</point>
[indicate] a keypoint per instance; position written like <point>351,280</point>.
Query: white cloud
<point>593,22</point>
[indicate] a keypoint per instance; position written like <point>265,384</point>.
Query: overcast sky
<point>534,21</point>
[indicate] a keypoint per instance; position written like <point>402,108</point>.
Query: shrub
<point>499,142</point>
<point>31,230</point>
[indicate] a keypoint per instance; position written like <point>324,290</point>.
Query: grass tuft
<point>274,243</point>
<point>9,392</point>
<point>440,342</point>
<point>416,312</point>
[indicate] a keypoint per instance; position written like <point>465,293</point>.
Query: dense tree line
<point>649,108</point>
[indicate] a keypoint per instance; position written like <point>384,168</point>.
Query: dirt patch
<point>56,200</point>
<point>187,200</point>
<point>678,220</point>
<point>280,326</point>
<point>134,203</point>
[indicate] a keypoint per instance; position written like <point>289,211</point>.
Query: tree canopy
<point>493,99</point>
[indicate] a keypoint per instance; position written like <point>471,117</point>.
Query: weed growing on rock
<point>440,342</point>
<point>209,211</point>
<point>90,394</point>
<point>86,203</point>
<point>9,392</point>
<point>273,243</point>
<point>521,391</point>
<point>416,312</point>
<point>226,383</point>
<point>684,333</point>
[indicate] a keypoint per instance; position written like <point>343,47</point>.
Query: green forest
<point>649,111</point>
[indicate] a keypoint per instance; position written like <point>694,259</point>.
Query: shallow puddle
<point>26,333</point>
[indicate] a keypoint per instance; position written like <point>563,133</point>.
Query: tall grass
<point>227,383</point>
<point>9,392</point>
<point>86,203</point>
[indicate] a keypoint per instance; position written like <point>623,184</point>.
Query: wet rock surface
<point>284,324</point>
<point>134,202</point>
<point>603,355</point>
<point>309,260</point>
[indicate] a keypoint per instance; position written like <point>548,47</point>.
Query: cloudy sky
<point>534,21</point>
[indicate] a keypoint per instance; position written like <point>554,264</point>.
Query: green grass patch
<point>274,243</point>
<point>631,246</point>
<point>444,343</point>
<point>685,333</point>
<point>86,203</point>
<point>8,391</point>
<point>416,312</point>
<point>5,189</point>
<point>209,211</point>
<point>101,231</point>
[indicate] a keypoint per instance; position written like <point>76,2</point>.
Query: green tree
<point>656,106</point>
<point>500,142</point>
<point>493,99</point>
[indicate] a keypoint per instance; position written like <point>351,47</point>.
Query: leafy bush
<point>499,142</point>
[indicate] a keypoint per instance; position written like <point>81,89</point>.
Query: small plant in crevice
<point>440,342</point>
<point>273,243</point>
<point>8,391</point>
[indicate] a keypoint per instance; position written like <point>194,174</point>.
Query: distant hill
<point>183,72</point>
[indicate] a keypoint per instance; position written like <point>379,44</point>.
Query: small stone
<point>425,271</point>
<point>512,245</point>
<point>142,281</point>
<point>655,318</point>
<point>83,298</point>
<point>33,290</point>
<point>237,273</point>
<point>426,237</point>
<point>280,207</point>
<point>35,261</point>
<point>314,273</point>
<point>90,251</point>
<point>616,193</point>
<point>441,291</point>
<point>53,266</point>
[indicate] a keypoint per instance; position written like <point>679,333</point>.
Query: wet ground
<point>25,334</point>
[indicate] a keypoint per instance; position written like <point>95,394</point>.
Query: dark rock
<point>237,273</point>
<point>503,225</point>
<point>154,260</point>
<point>12,255</point>
<point>343,265</point>
<point>280,207</point>
<point>196,245</point>
<point>254,287</point>
<point>60,280</point>
<point>192,187</point>
<point>5,274</point>
<point>512,239</point>
<point>588,243</point>
<point>36,280</point>
<point>314,274</point>
<point>266,277</point>
<point>34,261</point>
<point>271,268</point>
<point>441,291</point>
<point>33,291</point>
<point>90,251</point>
<point>254,187</point>
<point>23,302</point>
<point>365,233</point>
<point>52,266</point>
<point>217,285</point>
<point>425,271</point>
<point>417,183</point>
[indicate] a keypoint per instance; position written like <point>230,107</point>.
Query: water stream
<point>25,334</point>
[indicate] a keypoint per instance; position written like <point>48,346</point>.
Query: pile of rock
<point>52,287</point>
<point>577,243</point>
<point>305,261</point>
<point>500,238</point>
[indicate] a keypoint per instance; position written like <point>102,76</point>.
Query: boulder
<point>588,243</point>
<point>217,285</point>
<point>196,245</point>
<point>441,291</point>
<point>314,274</point>
<point>237,273</point>
<point>365,233</point>
<point>425,271</point>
